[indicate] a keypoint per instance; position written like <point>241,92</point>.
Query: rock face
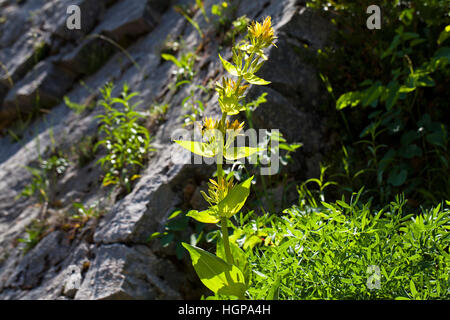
<point>121,41</point>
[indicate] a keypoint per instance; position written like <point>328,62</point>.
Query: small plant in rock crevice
<point>126,141</point>
<point>44,180</point>
<point>34,233</point>
<point>185,65</point>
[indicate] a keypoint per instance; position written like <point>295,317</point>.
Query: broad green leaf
<point>397,177</point>
<point>200,148</point>
<point>352,99</point>
<point>392,94</point>
<point>410,151</point>
<point>216,274</point>
<point>444,35</point>
<point>239,258</point>
<point>207,216</point>
<point>251,78</point>
<point>229,67</point>
<point>371,95</point>
<point>240,152</point>
<point>235,199</point>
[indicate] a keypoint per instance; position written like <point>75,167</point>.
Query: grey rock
<point>29,273</point>
<point>121,272</point>
<point>73,282</point>
<point>123,22</point>
<point>91,12</point>
<point>43,87</point>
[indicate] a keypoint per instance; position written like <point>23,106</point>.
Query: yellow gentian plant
<point>227,272</point>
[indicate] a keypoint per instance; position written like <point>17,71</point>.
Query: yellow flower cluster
<point>262,34</point>
<point>217,190</point>
<point>212,124</point>
<point>236,125</point>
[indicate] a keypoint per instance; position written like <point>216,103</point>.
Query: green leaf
<point>239,258</point>
<point>273,292</point>
<point>200,148</point>
<point>392,94</point>
<point>410,151</point>
<point>207,216</point>
<point>229,67</point>
<point>216,274</point>
<point>169,57</point>
<point>251,78</point>
<point>371,95</point>
<point>397,177</point>
<point>240,152</point>
<point>215,10</point>
<point>352,99</point>
<point>444,35</point>
<point>235,199</point>
<point>174,214</point>
<point>413,288</point>
<point>192,22</point>
<point>154,235</point>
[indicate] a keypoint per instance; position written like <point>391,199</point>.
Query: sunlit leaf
<point>229,67</point>
<point>216,274</point>
<point>235,199</point>
<point>206,216</point>
<point>241,152</point>
<point>251,78</point>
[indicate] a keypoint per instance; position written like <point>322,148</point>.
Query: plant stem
<point>220,155</point>
<point>220,174</point>
<point>226,240</point>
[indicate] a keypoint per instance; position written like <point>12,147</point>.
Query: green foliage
<point>216,274</point>
<point>45,177</point>
<point>227,26</point>
<point>392,99</point>
<point>175,233</point>
<point>185,65</point>
<point>84,213</point>
<point>34,234</point>
<point>194,107</point>
<point>126,141</point>
<point>188,14</point>
<point>332,251</point>
<point>159,112</point>
<point>77,107</point>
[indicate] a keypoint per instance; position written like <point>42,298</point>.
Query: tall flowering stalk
<point>227,272</point>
